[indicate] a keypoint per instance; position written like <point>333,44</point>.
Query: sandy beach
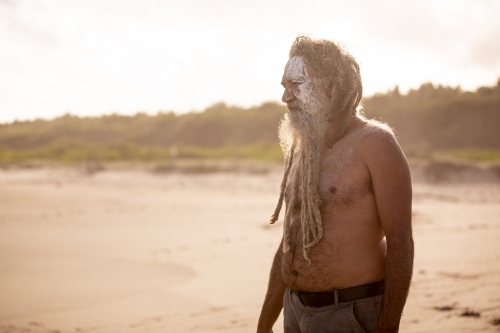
<point>131,251</point>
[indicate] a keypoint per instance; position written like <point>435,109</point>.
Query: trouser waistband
<point>319,299</point>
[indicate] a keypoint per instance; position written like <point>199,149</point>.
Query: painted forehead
<point>296,69</point>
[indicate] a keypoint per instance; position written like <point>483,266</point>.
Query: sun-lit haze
<point>97,57</point>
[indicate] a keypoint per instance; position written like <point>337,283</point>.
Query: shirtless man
<point>345,261</point>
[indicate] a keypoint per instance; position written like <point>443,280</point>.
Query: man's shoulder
<point>372,129</point>
<point>364,132</point>
<point>378,140</point>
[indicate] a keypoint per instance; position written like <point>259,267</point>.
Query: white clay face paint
<point>295,71</point>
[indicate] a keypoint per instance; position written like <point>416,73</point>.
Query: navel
<point>332,189</point>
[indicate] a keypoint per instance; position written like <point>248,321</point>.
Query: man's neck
<point>326,143</point>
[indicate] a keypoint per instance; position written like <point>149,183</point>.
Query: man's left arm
<point>391,182</point>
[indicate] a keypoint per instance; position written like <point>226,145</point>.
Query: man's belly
<point>335,263</point>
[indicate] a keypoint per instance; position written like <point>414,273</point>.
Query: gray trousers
<point>359,316</point>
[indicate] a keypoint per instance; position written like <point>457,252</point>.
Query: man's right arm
<point>273,303</point>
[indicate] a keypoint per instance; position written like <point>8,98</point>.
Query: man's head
<point>322,92</point>
<point>322,83</point>
<point>334,71</point>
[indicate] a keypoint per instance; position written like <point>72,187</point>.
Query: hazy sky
<point>91,57</point>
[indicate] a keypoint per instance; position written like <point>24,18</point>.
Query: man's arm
<point>392,187</point>
<point>273,303</point>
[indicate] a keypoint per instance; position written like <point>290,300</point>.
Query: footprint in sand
<point>454,275</point>
<point>444,308</point>
<point>470,313</point>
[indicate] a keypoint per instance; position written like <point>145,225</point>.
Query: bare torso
<point>352,250</point>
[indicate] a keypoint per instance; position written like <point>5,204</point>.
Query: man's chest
<point>343,180</point>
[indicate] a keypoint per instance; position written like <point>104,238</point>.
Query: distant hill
<point>428,119</point>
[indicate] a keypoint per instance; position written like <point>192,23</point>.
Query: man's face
<point>307,102</point>
<point>298,84</point>
<point>303,93</point>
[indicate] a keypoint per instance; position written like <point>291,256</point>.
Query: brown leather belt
<point>336,296</point>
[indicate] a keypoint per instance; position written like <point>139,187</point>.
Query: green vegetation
<point>430,121</point>
<point>488,156</point>
<point>441,118</point>
<point>72,153</point>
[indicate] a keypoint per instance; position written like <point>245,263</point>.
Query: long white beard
<point>304,129</point>
<point>305,123</point>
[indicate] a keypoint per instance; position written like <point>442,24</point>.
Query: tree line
<point>426,119</point>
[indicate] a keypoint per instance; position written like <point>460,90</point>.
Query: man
<point>346,258</point>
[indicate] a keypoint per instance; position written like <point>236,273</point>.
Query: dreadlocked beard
<point>302,132</point>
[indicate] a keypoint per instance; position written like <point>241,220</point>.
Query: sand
<point>130,251</point>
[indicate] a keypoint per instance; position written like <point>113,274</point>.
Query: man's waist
<point>350,294</point>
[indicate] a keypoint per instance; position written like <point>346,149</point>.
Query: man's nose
<point>288,95</point>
